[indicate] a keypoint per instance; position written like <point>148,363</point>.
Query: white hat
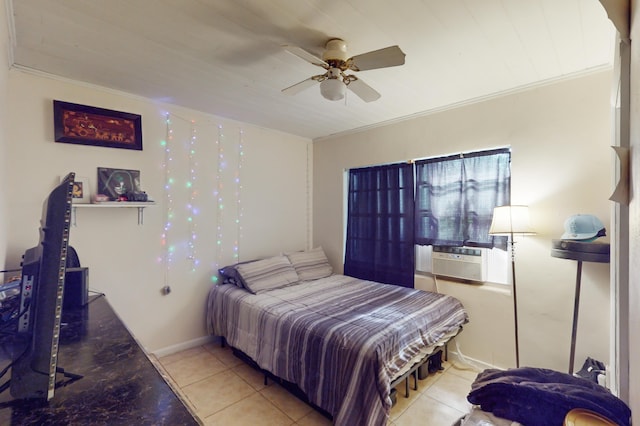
<point>583,227</point>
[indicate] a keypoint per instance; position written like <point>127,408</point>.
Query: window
<point>380,237</point>
<point>455,197</point>
<point>391,220</point>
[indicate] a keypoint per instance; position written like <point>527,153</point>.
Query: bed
<point>343,341</point>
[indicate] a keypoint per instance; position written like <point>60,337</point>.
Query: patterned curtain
<point>380,238</point>
<point>455,197</point>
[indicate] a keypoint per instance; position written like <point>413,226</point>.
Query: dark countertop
<point>120,385</point>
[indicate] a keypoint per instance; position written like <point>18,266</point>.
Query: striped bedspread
<point>340,339</point>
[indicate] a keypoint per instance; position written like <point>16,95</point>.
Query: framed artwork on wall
<point>117,183</point>
<point>87,125</point>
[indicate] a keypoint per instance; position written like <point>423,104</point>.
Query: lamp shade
<point>332,89</point>
<point>509,220</point>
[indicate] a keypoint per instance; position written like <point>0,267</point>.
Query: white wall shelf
<point>114,204</point>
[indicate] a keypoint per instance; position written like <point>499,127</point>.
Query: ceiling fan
<point>336,60</point>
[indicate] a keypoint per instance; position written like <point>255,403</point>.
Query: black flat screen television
<point>33,371</point>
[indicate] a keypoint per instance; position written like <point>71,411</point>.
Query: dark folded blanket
<point>537,396</point>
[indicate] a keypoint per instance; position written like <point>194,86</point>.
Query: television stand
<point>119,385</point>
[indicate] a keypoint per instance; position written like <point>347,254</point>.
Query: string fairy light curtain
<point>380,242</point>
<point>455,197</point>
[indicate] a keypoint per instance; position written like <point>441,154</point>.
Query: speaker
<point>76,288</point>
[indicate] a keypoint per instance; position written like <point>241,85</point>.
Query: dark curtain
<point>380,238</point>
<point>455,197</point>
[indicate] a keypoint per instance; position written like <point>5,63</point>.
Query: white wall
<point>262,213</point>
<point>634,220</point>
<point>561,165</point>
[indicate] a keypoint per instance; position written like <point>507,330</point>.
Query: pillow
<point>311,264</point>
<point>267,274</point>
<point>231,281</point>
<point>230,274</point>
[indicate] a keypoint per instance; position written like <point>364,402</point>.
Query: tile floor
<point>222,390</point>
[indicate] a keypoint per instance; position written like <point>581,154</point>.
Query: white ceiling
<point>224,57</point>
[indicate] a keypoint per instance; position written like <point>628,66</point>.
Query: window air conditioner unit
<point>459,262</point>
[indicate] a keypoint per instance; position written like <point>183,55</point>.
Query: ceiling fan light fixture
<point>336,61</point>
<point>332,89</point>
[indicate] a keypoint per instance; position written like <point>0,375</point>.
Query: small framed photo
<point>81,191</point>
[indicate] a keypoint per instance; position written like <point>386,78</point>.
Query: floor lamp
<point>510,220</point>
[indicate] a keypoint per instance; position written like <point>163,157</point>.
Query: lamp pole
<point>508,221</point>
<point>515,299</point>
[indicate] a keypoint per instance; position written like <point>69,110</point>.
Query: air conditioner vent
<point>459,262</point>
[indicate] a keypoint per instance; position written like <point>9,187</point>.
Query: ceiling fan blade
<point>388,57</point>
<point>363,90</point>
<point>301,53</point>
<point>299,87</point>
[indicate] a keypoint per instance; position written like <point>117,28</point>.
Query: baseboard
<point>464,359</point>
<point>185,345</point>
